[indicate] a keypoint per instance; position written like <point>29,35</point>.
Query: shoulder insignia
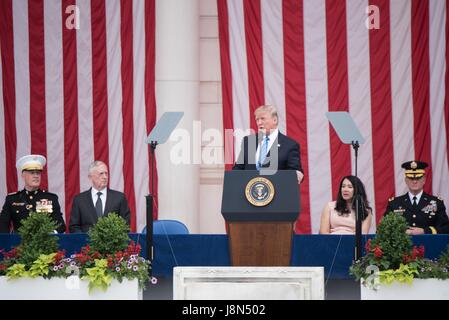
<point>439,198</point>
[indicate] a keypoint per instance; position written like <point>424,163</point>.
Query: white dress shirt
<point>103,197</point>
<point>273,136</point>
<point>418,196</point>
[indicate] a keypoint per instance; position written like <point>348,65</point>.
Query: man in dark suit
<point>269,148</point>
<point>424,213</point>
<point>98,201</point>
<point>18,205</point>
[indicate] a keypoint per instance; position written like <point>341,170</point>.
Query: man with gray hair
<point>269,148</point>
<point>98,201</point>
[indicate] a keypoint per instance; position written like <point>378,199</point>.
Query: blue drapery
<point>333,252</point>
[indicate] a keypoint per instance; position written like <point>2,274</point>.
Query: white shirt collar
<point>103,196</point>
<point>418,196</point>
<point>273,135</point>
<point>95,191</point>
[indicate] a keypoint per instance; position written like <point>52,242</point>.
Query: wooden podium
<point>260,235</point>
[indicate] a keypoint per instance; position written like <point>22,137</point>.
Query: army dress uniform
<point>429,213</point>
<point>18,206</point>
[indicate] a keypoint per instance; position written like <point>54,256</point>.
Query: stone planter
<point>248,283</point>
<point>71,288</point>
<point>420,289</point>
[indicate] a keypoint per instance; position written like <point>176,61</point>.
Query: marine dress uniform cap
<point>414,169</point>
<point>31,162</point>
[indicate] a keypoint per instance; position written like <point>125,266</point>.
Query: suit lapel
<point>423,201</point>
<point>108,202</point>
<point>274,145</point>
<point>420,205</point>
<point>407,203</point>
<point>90,203</point>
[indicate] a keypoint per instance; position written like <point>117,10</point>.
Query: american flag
<point>382,61</point>
<point>77,84</point>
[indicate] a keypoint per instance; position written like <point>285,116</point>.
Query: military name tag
<point>18,203</point>
<point>44,205</point>
<point>259,191</point>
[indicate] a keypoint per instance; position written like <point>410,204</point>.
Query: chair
<point>168,227</point>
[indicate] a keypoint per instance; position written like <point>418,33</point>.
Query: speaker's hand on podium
<point>300,176</point>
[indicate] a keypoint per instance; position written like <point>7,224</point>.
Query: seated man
<point>98,201</point>
<point>18,205</point>
<point>424,213</point>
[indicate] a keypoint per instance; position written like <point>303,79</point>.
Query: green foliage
<point>111,254</point>
<point>37,237</point>
<point>391,257</point>
<point>16,271</point>
<point>98,276</point>
<point>109,234</point>
<point>444,257</point>
<point>403,274</point>
<point>393,240</point>
<point>432,269</point>
<point>40,267</point>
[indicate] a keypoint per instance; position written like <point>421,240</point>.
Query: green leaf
<point>109,234</point>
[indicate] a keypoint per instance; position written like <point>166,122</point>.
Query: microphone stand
<point>149,215</point>
<point>358,220</point>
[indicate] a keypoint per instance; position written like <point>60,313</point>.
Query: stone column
<point>177,89</point>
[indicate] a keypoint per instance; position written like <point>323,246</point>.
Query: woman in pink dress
<point>338,217</point>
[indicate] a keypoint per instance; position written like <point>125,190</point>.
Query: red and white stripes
<point>75,95</point>
<point>392,80</point>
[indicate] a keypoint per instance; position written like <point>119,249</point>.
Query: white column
<point>177,89</point>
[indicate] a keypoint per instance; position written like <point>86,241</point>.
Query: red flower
<point>59,255</point>
<point>378,253</point>
<point>118,255</point>
<point>417,252</point>
<point>406,258</point>
<point>133,248</point>
<point>421,250</point>
<point>82,258</point>
<point>368,245</point>
<point>9,254</point>
<point>110,262</point>
<point>2,267</point>
<point>86,249</point>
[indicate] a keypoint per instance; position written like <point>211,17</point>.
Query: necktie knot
<point>415,201</point>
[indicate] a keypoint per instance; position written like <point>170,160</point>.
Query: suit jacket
<point>84,216</point>
<point>288,152</point>
<point>18,206</point>
<point>430,212</point>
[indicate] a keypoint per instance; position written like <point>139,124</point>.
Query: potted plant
<point>393,268</point>
<point>108,267</point>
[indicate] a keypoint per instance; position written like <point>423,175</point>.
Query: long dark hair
<point>359,189</point>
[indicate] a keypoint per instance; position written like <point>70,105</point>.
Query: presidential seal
<point>259,191</point>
